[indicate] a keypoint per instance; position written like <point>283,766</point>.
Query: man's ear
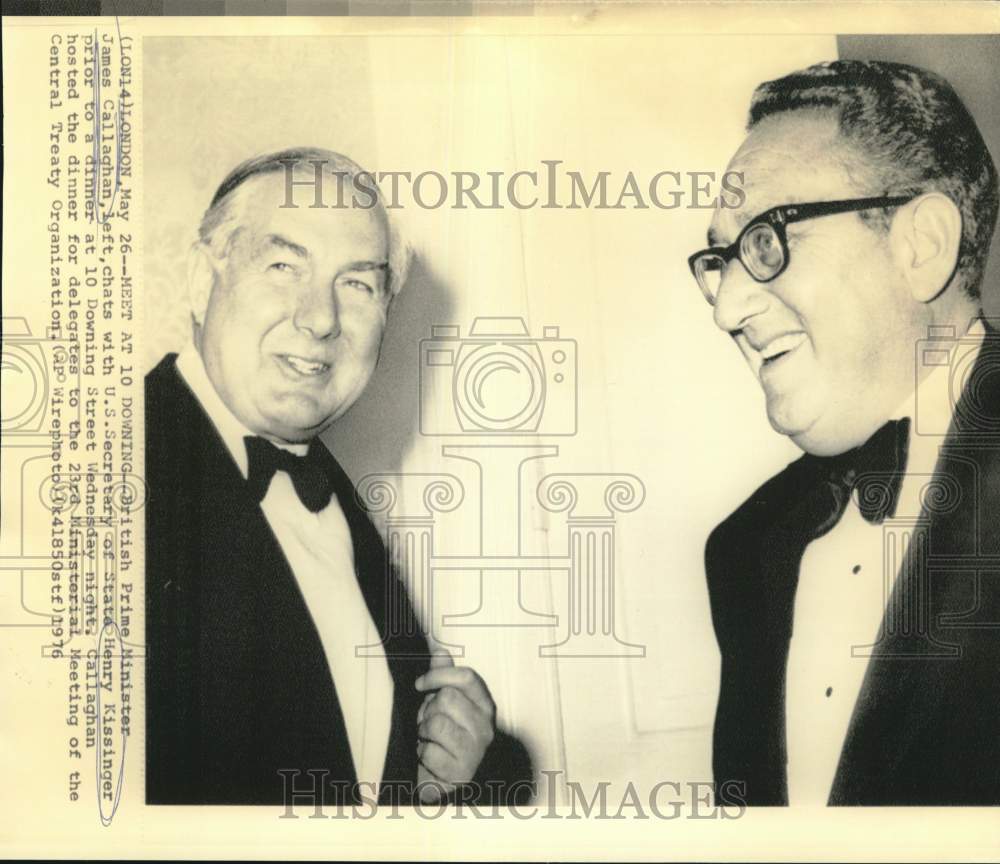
<point>200,280</point>
<point>925,236</point>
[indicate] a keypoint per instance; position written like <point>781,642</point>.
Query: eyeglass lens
<point>761,253</point>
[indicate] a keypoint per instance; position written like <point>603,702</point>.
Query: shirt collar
<point>232,431</point>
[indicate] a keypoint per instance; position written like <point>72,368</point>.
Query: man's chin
<point>794,425</point>
<point>297,416</point>
<point>816,440</point>
<point>296,428</point>
<point>815,428</point>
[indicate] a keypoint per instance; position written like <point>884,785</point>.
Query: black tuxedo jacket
<point>926,725</point>
<point>237,684</point>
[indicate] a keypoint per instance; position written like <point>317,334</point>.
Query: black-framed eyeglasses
<point>762,246</point>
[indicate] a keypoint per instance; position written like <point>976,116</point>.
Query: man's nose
<point>740,298</point>
<point>318,312</point>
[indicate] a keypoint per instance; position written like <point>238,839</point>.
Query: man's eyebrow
<point>713,237</point>
<point>285,243</point>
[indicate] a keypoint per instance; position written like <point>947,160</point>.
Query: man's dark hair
<point>912,134</point>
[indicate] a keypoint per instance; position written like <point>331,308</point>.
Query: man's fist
<point>455,725</point>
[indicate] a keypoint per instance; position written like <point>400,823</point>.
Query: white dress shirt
<point>844,584</point>
<point>320,554</point>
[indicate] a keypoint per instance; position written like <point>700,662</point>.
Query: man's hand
<point>455,725</point>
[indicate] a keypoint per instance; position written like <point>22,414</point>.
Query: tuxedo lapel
<point>753,566</point>
<point>392,614</point>
<point>920,666</point>
<point>912,664</point>
<point>236,666</point>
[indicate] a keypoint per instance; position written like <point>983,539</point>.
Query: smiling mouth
<point>780,347</point>
<point>302,366</point>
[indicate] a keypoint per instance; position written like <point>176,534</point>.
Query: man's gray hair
<point>224,213</point>
<point>907,132</point>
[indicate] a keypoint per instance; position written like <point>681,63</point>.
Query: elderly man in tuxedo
<point>855,596</point>
<point>277,641</point>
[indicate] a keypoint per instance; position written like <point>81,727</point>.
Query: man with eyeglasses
<point>855,596</point>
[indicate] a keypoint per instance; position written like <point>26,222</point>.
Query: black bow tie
<point>311,481</point>
<point>874,470</point>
